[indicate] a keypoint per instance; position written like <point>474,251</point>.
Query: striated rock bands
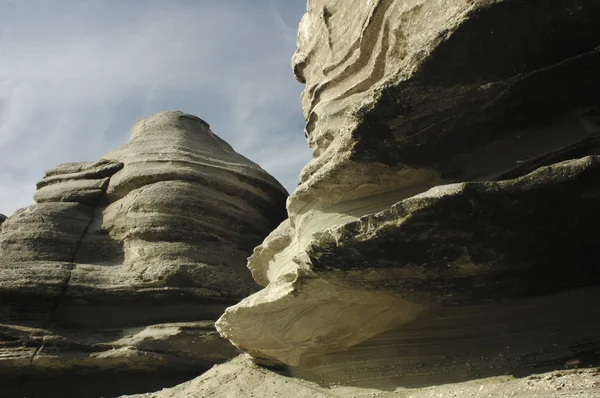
<point>455,245</point>
<point>44,232</point>
<point>140,252</point>
<point>460,89</point>
<point>404,95</point>
<point>446,228</point>
<point>76,182</point>
<point>475,242</point>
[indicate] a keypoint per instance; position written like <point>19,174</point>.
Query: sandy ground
<point>241,378</point>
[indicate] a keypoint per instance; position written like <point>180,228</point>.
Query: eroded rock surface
<point>411,92</point>
<point>454,177</point>
<point>454,245</point>
<point>402,96</point>
<point>124,264</point>
<point>241,378</point>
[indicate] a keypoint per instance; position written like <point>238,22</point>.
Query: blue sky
<point>76,74</point>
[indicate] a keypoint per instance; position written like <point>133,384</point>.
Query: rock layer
<point>455,173</point>
<point>475,242</point>
<point>140,252</point>
<point>455,245</point>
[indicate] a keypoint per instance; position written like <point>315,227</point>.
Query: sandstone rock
<point>402,96</point>
<point>454,245</point>
<point>403,93</point>
<point>454,177</point>
<point>44,232</point>
<point>445,231</point>
<point>241,378</point>
<point>76,182</point>
<point>123,264</point>
<point>455,344</point>
<point>475,242</point>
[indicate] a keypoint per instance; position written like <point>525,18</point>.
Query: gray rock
<point>175,345</point>
<point>76,182</point>
<point>44,232</point>
<point>123,264</point>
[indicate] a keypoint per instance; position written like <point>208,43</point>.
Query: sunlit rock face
<point>404,95</point>
<point>124,264</point>
<point>455,89</point>
<point>455,173</point>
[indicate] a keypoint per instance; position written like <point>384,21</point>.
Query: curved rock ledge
<point>300,313</point>
<point>453,246</point>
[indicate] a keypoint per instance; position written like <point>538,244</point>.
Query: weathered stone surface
<point>402,96</point>
<point>296,314</point>
<point>454,245</point>
<point>452,90</point>
<point>124,264</point>
<point>47,232</point>
<point>175,345</point>
<point>76,182</point>
<point>475,242</point>
<point>445,231</point>
<point>454,178</point>
<point>452,344</point>
<point>241,378</point>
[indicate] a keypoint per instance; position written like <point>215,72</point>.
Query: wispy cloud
<point>76,74</point>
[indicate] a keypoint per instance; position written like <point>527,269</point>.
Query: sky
<point>76,74</point>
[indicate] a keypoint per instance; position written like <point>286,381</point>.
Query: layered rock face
<point>123,265</point>
<point>446,228</point>
<point>404,93</point>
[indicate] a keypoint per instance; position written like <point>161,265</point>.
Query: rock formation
<point>123,265</point>
<point>444,233</point>
<point>446,228</point>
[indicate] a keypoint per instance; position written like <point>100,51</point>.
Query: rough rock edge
<point>307,290</point>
